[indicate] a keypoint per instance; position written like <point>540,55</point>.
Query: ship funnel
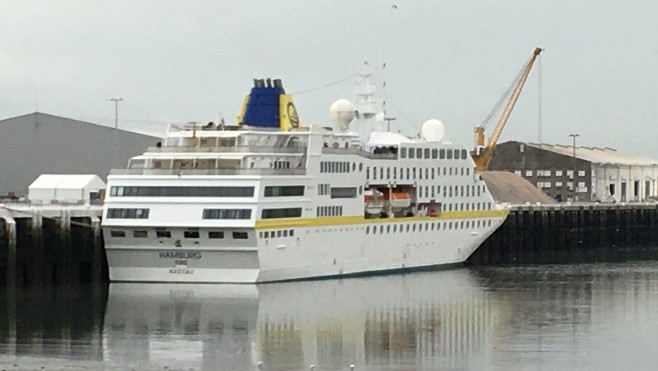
<point>269,106</point>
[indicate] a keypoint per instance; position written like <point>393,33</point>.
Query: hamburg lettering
<point>194,255</point>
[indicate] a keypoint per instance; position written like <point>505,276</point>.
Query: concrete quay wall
<point>582,233</point>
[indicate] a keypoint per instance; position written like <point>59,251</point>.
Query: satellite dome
<point>342,112</point>
<point>432,130</point>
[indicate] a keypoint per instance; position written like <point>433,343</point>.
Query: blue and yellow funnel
<point>269,106</point>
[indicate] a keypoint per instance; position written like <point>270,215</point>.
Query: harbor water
<point>541,317</point>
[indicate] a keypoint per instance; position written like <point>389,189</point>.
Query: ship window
<point>240,235</point>
<point>420,175</point>
<point>353,166</point>
<point>442,154</point>
<point>374,229</point>
<point>468,171</point>
<point>170,191</point>
<point>117,234</point>
<point>368,229</point>
<point>403,152</point>
<point>374,172</point>
<point>381,229</point>
<point>292,233</point>
<point>226,214</point>
<point>289,212</point>
<point>408,227</point>
<point>435,153</point>
<point>127,213</point>
<point>414,173</point>
<point>140,234</point>
<point>427,173</point>
<point>412,154</point>
<point>464,154</point>
<point>367,172</point>
<point>408,173</point>
<point>395,172</point>
<point>360,166</point>
<point>433,226</point>
<point>162,234</point>
<point>343,192</point>
<point>388,172</point>
<point>432,173</point>
<point>191,234</point>
<point>284,191</point>
<point>388,228</point>
<point>449,154</point>
<point>381,173</point>
<point>395,228</point>
<point>413,228</point>
<point>426,153</point>
<point>450,171</point>
<point>285,233</point>
<point>266,234</point>
<point>419,153</point>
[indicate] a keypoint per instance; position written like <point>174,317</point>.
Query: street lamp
<point>116,111</point>
<point>574,136</point>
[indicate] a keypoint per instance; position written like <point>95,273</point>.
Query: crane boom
<point>482,160</point>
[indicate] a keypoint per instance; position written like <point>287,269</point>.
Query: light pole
<point>116,111</point>
<point>574,136</point>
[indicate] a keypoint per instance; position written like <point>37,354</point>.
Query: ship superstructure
<point>269,200</point>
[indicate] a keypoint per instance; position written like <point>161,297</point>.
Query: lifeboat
<point>376,200</point>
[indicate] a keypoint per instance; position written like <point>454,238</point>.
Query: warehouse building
<point>601,174</point>
<point>39,143</point>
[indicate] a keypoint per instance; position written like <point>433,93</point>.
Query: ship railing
<point>359,152</point>
<point>240,149</point>
<point>281,172</point>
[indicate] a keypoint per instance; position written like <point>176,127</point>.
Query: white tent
<point>64,188</point>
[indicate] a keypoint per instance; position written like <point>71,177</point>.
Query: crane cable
<point>503,97</point>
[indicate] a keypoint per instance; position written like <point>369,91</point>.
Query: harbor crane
<point>482,155</point>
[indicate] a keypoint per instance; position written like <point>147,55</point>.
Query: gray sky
<point>188,60</point>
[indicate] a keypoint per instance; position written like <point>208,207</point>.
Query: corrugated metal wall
<point>38,143</point>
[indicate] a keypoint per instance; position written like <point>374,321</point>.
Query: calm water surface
<point>566,317</point>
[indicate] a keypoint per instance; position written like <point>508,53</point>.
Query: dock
<point>51,245</point>
<point>42,246</point>
<point>579,233</point>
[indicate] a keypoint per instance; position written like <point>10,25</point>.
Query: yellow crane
<point>483,154</point>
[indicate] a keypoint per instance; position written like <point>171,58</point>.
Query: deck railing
<point>181,172</point>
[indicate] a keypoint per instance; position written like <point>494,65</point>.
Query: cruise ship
<point>268,199</point>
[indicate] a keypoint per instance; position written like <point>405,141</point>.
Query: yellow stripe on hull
<point>353,220</point>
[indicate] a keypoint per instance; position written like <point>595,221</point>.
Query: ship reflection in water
<point>426,321</point>
<point>568,317</point>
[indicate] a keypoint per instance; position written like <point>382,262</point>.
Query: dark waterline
<point>569,317</point>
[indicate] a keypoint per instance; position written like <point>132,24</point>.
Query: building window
<point>140,234</point>
<point>191,234</point>
<point>284,191</point>
<point>289,212</point>
<point>127,213</point>
<point>581,172</point>
<point>117,234</point>
<point>152,191</point>
<point>219,235</point>
<point>226,213</point>
<point>240,235</point>
<point>343,192</point>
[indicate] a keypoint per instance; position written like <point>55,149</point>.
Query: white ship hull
<point>312,252</point>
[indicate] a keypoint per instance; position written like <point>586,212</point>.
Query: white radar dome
<point>433,130</point>
<point>342,112</point>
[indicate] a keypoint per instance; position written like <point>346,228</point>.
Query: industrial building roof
<point>598,155</point>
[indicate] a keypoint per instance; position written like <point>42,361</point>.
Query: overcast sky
<point>179,61</point>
